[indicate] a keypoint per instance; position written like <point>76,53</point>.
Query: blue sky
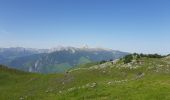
<point>126,25</point>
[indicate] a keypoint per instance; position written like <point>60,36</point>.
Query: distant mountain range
<point>9,54</point>
<point>54,60</point>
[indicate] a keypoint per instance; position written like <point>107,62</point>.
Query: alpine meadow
<point>84,50</point>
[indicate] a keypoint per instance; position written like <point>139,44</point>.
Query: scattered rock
<point>93,85</point>
<point>60,92</point>
<point>63,83</point>
<point>21,98</point>
<point>71,89</point>
<point>104,72</point>
<point>109,83</point>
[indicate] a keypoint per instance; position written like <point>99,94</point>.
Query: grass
<point>148,81</point>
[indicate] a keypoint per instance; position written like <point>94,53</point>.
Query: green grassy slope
<point>145,79</point>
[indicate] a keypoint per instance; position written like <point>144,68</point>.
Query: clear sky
<point>126,25</point>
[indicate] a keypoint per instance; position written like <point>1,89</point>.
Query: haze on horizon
<point>125,25</point>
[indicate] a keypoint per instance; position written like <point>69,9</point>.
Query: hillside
<point>61,59</point>
<point>142,78</point>
<point>9,54</point>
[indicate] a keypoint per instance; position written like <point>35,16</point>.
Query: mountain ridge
<point>60,59</point>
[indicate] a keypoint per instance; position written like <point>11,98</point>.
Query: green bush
<point>101,62</point>
<point>152,55</point>
<point>128,59</point>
